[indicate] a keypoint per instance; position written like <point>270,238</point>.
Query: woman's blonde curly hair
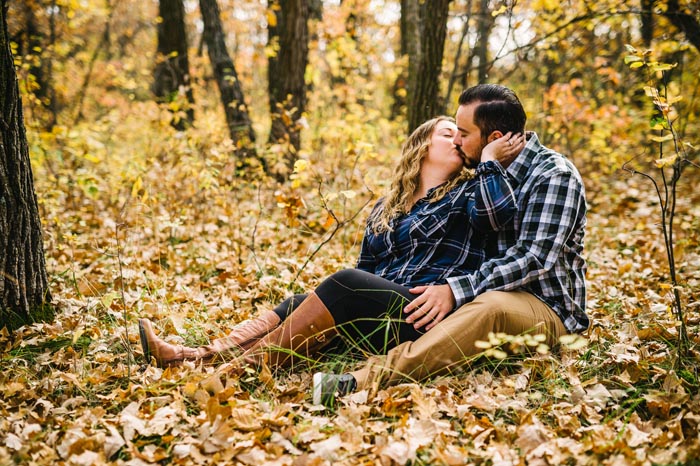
<point>399,199</point>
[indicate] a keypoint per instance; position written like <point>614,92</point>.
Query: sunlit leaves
<point>573,342</point>
<point>665,161</point>
<point>204,247</point>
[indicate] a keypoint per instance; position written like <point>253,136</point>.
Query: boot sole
<point>144,342</point>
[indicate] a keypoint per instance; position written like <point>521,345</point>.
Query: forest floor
<point>197,256</point>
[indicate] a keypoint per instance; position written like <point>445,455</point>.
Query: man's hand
<point>433,304</point>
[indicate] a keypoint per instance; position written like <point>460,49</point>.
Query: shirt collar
<point>520,166</point>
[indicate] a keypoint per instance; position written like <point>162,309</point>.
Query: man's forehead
<point>462,118</point>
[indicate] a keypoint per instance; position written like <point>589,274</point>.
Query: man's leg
<point>450,343</point>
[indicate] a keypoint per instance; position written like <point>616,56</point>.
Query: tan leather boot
<point>241,338</point>
<point>303,333</point>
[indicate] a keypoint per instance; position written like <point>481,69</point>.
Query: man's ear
<point>494,135</point>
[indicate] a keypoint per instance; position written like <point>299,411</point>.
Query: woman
<point>431,225</point>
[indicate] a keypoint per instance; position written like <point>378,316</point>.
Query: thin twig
<point>104,40</point>
<point>255,229</point>
<point>338,225</point>
<point>123,295</point>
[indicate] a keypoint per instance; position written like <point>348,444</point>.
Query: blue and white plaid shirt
<point>437,240</point>
<point>540,252</point>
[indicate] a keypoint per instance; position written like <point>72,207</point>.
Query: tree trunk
<point>647,27</point>
<point>425,63</point>
<point>482,44</point>
<point>24,293</point>
<point>172,73</point>
<point>456,74</point>
<point>685,21</point>
<point>286,70</point>
<point>239,125</point>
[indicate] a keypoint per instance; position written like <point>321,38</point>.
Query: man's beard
<point>468,162</point>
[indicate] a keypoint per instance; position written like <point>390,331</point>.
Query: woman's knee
<point>343,280</point>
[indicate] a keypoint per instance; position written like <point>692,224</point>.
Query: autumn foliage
<point>141,219</point>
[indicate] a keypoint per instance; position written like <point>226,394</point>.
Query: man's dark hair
<point>499,109</point>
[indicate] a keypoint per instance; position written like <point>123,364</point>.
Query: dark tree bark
<point>647,17</point>
<point>172,73</point>
<point>425,59</point>
<point>286,69</point>
<point>482,44</point>
<point>459,76</point>
<point>235,108</point>
<point>684,20</point>
<point>24,293</point>
<point>316,9</point>
<point>409,46</point>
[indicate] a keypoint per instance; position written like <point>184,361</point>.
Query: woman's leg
<point>289,305</point>
<point>365,308</point>
<point>242,337</point>
<point>368,310</point>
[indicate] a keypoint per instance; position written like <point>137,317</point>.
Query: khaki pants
<point>451,343</point>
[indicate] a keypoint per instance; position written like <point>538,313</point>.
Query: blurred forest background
<point>197,162</point>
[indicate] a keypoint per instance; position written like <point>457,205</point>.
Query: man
<point>534,281</point>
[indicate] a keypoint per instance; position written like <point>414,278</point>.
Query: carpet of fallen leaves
<point>174,235</point>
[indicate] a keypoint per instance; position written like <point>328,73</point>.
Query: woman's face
<point>443,159</point>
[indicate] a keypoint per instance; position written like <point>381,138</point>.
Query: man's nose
<point>457,140</point>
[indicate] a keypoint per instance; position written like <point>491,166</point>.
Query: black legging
<point>367,309</point>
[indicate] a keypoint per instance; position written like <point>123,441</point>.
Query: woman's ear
<point>494,135</point>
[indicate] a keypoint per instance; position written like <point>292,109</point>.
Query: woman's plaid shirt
<point>437,240</point>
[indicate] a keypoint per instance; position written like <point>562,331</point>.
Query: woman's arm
<point>367,261</point>
<point>494,204</point>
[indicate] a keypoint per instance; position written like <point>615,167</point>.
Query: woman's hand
<point>504,149</point>
<point>428,309</point>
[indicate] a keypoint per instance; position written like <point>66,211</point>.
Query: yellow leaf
<point>91,158</point>
<point>271,19</point>
<point>138,184</point>
<point>666,161</point>
<point>625,267</point>
<point>651,91</point>
<point>666,137</point>
<point>108,299</point>
<point>499,11</point>
<point>663,66</point>
<point>300,165</point>
<point>77,334</point>
<point>573,341</point>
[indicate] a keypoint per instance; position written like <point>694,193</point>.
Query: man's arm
<point>550,217</point>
